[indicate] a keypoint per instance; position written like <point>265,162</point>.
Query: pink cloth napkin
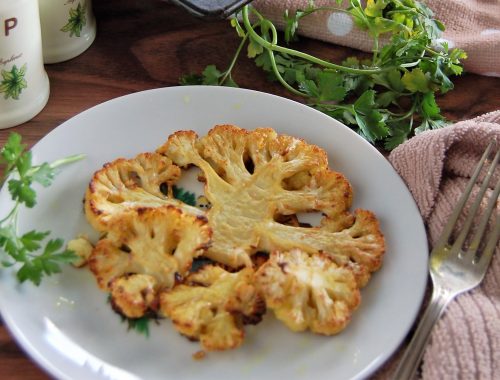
<point>472,25</point>
<point>436,165</point>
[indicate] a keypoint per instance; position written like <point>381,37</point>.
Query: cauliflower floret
<point>82,248</point>
<point>128,184</point>
<point>308,292</point>
<point>133,295</point>
<point>254,178</point>
<point>158,242</point>
<point>213,306</point>
<point>358,244</point>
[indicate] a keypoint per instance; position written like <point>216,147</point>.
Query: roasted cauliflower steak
<point>127,184</point>
<point>253,178</point>
<point>213,305</point>
<point>145,252</point>
<point>308,291</point>
<point>246,234</point>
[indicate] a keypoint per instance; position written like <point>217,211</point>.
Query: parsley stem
<point>375,50</point>
<point>432,51</point>
<point>406,115</point>
<point>55,164</point>
<point>11,213</point>
<point>227,73</point>
<point>414,60</point>
<point>280,78</point>
<point>274,47</point>
<point>66,160</point>
<point>276,72</point>
<point>332,107</point>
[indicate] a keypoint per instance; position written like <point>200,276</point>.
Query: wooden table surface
<point>142,45</point>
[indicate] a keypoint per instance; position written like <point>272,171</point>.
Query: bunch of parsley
<point>385,99</point>
<point>20,175</point>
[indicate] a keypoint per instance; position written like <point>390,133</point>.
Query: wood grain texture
<point>142,45</point>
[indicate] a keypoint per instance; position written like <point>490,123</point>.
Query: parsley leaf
<point>185,196</point>
<point>416,80</point>
<point>211,75</point>
<point>43,174</point>
<point>370,120</point>
<point>398,134</point>
<point>31,240</point>
<point>191,80</point>
<point>430,109</point>
<point>331,86</point>
<point>21,191</point>
<point>139,325</point>
<point>12,149</point>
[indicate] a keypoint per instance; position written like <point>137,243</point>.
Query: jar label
<point>9,24</point>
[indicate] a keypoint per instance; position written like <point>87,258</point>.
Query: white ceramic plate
<point>66,324</point>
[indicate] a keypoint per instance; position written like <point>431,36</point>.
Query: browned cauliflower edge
<point>146,251</point>
<point>127,184</point>
<point>134,295</point>
<point>358,244</point>
<point>308,291</point>
<point>213,305</point>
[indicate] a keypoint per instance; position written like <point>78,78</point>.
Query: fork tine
<point>473,209</point>
<point>485,258</point>
<point>445,234</point>
<point>476,241</point>
<point>491,244</point>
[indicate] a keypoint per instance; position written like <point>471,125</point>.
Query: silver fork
<point>453,268</point>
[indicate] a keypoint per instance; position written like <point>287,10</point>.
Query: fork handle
<point>411,359</point>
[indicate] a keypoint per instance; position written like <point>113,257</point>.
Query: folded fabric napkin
<point>472,25</point>
<point>436,165</point>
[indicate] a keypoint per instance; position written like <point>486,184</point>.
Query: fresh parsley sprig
<point>20,175</point>
<point>387,98</point>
